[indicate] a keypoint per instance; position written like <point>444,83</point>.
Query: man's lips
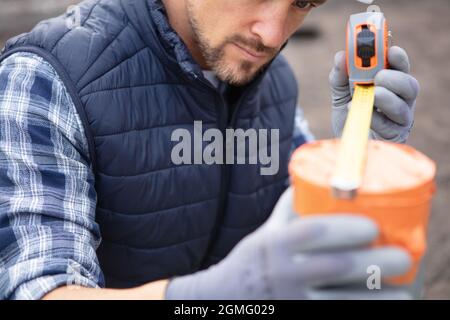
<point>250,54</point>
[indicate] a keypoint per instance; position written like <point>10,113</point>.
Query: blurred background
<point>421,27</point>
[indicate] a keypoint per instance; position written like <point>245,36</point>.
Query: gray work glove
<point>293,258</point>
<point>395,98</point>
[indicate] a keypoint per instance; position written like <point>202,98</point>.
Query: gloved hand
<point>395,97</point>
<point>293,258</point>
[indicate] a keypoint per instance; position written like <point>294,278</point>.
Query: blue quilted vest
<point>133,83</point>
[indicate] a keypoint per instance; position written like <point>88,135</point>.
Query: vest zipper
<point>224,181</point>
<point>224,123</point>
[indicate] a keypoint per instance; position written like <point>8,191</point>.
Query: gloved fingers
<point>398,59</point>
<point>338,75</point>
<point>292,274</point>
<point>327,232</point>
<point>339,116</point>
<point>390,261</point>
<point>391,105</point>
<point>339,82</point>
<point>386,128</point>
<point>400,83</point>
<point>359,294</point>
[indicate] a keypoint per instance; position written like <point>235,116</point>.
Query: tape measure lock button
<point>366,46</point>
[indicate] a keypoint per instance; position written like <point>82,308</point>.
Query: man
<point>90,196</point>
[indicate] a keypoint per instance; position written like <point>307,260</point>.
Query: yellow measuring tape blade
<point>352,155</point>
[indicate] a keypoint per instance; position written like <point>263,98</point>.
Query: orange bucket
<point>396,192</point>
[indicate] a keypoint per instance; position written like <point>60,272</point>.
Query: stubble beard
<point>238,75</point>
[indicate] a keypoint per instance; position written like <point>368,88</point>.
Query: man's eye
<point>304,5</point>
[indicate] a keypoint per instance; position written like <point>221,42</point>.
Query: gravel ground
<point>421,27</point>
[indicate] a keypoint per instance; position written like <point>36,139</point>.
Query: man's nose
<point>270,27</point>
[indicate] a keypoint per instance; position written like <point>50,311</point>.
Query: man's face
<point>237,38</point>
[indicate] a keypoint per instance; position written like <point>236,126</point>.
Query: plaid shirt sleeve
<point>48,233</point>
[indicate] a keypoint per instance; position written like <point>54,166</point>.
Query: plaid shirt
<point>48,233</point>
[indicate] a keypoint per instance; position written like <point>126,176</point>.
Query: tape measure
<point>367,45</point>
